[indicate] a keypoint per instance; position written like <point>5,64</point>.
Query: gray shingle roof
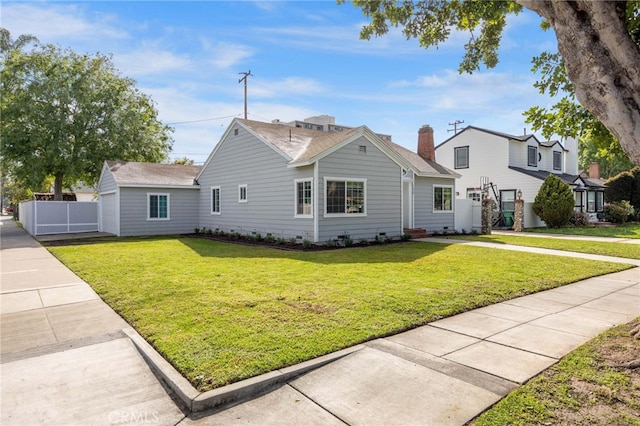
<point>134,173</point>
<point>301,145</point>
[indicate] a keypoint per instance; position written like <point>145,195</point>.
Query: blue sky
<point>306,59</point>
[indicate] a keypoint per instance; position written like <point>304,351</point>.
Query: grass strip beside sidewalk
<point>585,388</point>
<point>222,312</point>
<point>629,251</point>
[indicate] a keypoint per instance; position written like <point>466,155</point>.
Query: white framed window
<point>557,160</point>
<point>442,198</point>
<point>461,157</point>
<point>532,156</point>
<point>595,201</point>
<point>243,193</point>
<point>215,200</point>
<point>345,197</point>
<point>303,197</point>
<point>474,194</point>
<point>157,206</point>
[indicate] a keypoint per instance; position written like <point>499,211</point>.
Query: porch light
<point>519,194</point>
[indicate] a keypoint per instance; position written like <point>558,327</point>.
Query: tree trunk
<point>57,187</point>
<point>602,62</point>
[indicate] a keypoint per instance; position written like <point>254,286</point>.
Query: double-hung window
<point>215,200</point>
<point>461,155</point>
<point>557,160</point>
<point>345,196</point>
<point>243,193</point>
<point>532,156</point>
<point>304,198</point>
<point>442,198</point>
<point>157,206</point>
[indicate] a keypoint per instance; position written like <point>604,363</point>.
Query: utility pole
<point>455,126</point>
<point>245,74</point>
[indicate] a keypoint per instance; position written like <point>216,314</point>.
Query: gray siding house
<point>147,198</point>
<point>289,182</point>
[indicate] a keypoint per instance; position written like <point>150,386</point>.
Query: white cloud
<point>150,59</point>
<point>53,23</point>
<point>226,55</point>
<point>289,86</point>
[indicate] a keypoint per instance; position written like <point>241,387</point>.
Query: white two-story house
<point>507,165</point>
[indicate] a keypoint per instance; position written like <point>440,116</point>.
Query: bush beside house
<point>554,203</point>
<point>625,186</point>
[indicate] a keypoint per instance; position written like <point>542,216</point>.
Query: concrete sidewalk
<point>64,357</point>
<point>569,237</point>
<point>67,358</point>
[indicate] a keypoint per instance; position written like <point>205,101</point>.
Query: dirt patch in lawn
<point>616,402</point>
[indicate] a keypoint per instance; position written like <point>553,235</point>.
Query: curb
<point>196,401</point>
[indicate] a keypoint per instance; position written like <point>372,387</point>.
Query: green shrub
<point>618,211</point>
<point>554,202</point>
<point>306,244</point>
<point>624,186</point>
<point>579,219</point>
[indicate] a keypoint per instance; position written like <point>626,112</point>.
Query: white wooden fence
<point>58,217</point>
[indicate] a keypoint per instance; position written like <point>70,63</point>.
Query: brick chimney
<point>426,147</point>
<point>594,171</point>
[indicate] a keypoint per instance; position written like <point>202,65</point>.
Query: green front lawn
<point>626,230</point>
<point>222,312</point>
<point>630,251</point>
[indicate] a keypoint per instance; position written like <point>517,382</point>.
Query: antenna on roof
<point>455,126</point>
<point>246,74</point>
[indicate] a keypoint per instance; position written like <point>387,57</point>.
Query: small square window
<point>362,149</point>
<point>157,206</point>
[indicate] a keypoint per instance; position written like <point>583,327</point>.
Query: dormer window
<point>557,160</point>
<point>532,156</point>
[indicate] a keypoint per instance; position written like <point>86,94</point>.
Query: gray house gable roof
<point>128,173</point>
<point>300,146</point>
<point>519,138</point>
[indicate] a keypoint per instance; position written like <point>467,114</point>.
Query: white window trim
<point>246,193</point>
<point>453,200</point>
<point>343,179</point>
<point>219,199</point>
<point>153,219</point>
<point>295,199</point>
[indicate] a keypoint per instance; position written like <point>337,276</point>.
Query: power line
<point>200,121</point>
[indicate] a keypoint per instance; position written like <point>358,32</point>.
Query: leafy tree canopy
<point>64,114</point>
<point>606,81</point>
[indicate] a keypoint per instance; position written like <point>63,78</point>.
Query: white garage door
<point>108,214</point>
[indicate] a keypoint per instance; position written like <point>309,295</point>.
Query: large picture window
<point>304,198</point>
<point>442,198</point>
<point>215,200</point>
<point>158,206</point>
<point>461,157</point>
<point>532,156</point>
<point>345,196</point>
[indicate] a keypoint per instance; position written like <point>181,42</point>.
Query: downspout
<point>316,205</point>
